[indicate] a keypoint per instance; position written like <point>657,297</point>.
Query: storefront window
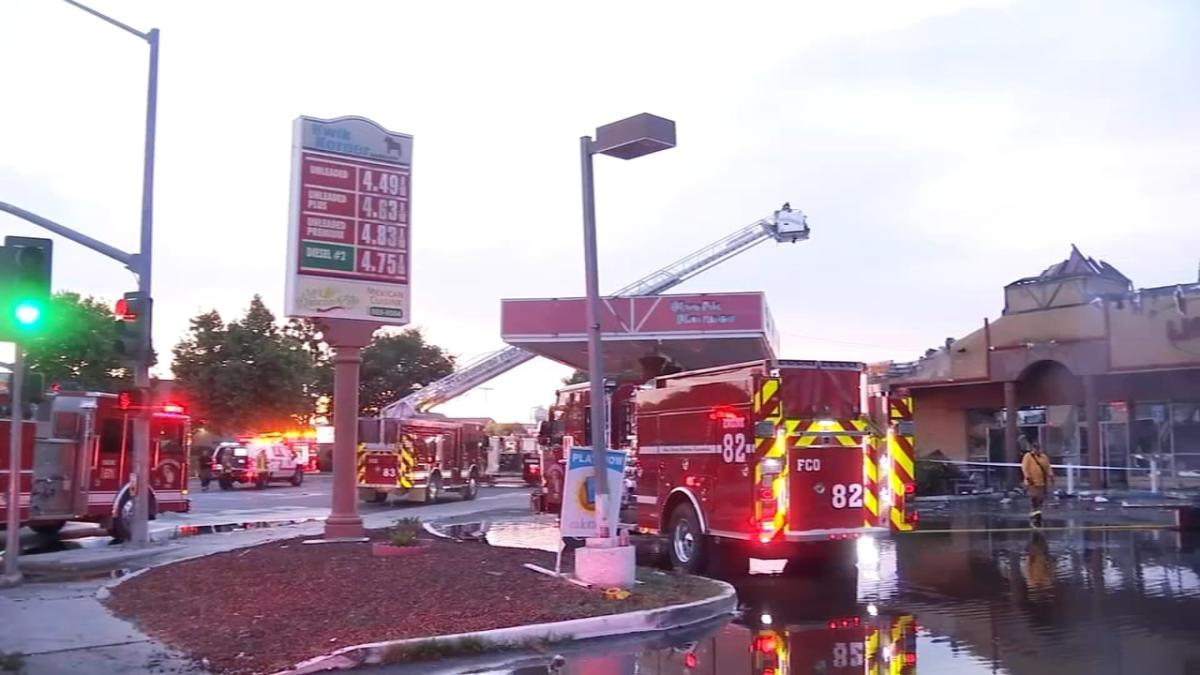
<point>1185,427</point>
<point>979,423</point>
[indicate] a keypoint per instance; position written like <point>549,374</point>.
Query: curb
<point>643,621</point>
<point>183,530</point>
<point>39,564</point>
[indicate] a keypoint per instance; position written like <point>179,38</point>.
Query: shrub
<point>404,532</point>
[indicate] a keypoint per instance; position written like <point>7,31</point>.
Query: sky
<point>940,150</point>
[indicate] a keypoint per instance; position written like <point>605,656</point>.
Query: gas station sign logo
<point>327,298</point>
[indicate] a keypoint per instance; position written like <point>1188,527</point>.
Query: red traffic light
<point>129,399</point>
<point>124,311</point>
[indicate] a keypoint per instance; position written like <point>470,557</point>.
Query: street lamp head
<point>634,136</point>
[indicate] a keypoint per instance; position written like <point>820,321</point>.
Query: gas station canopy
<point>646,333</point>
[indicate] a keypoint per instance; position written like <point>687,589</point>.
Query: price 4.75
<point>381,263</point>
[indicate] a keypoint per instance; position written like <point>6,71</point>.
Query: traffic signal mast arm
<point>784,225</point>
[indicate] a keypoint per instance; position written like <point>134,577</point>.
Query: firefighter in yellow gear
<point>1039,478</point>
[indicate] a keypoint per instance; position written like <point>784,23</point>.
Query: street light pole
<point>625,139</point>
<point>599,415</point>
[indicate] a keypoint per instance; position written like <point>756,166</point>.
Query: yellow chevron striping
<point>769,388</point>
<point>902,458</point>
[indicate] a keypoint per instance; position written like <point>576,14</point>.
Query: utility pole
<point>12,540</point>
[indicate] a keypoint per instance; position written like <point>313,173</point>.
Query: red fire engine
<point>77,462</point>
<point>753,459</point>
<point>847,645</point>
<point>570,424</point>
<point>420,458</point>
<point>810,625</point>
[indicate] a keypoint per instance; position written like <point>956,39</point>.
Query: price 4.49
<point>380,182</point>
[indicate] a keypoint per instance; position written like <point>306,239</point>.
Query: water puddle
<point>1009,600</point>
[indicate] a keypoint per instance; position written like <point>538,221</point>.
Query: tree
<point>320,389</point>
<point>76,349</point>
<point>395,365</point>
<point>247,375</point>
<point>577,377</point>
<point>197,365</point>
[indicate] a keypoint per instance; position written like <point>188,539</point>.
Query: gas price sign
<point>349,254</point>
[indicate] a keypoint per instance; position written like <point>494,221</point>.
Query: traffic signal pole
<point>141,264</point>
<point>139,530</point>
<point>12,539</point>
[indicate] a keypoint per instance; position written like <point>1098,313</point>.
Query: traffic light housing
<point>130,399</point>
<point>25,269</point>
<point>132,311</point>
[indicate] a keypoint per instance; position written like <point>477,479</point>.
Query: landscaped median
<point>271,607</point>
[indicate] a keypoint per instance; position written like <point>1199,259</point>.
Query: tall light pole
<point>626,139</point>
<point>141,264</point>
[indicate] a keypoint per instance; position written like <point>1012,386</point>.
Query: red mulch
<point>263,609</point>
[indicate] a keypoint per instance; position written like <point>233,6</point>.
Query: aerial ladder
<point>784,225</point>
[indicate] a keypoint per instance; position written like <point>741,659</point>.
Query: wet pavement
<point>1083,595</point>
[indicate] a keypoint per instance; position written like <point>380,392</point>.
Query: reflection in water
<point>1078,602</point>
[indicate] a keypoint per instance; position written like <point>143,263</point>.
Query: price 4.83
<point>381,235</point>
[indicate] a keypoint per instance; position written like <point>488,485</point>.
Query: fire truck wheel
<point>687,547</point>
<point>472,489</point>
<point>298,477</point>
<point>433,489</point>
<point>225,483</point>
<point>48,528</point>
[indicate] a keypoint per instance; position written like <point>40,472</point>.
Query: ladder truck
<point>785,225</point>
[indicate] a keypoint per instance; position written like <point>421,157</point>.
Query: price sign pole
<point>348,264</point>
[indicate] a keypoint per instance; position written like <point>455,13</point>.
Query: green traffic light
<point>27,313</point>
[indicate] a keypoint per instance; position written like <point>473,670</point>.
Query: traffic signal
<point>133,311</point>
<point>33,388</point>
<point>25,264</point>
<point>129,399</point>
